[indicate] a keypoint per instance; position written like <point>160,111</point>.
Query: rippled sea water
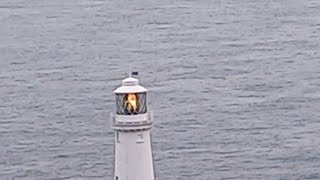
<point>234,86</point>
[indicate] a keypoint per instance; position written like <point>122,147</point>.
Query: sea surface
<point>234,86</point>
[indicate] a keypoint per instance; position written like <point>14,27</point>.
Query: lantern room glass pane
<point>131,103</point>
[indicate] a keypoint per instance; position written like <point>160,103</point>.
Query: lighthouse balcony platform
<point>132,122</point>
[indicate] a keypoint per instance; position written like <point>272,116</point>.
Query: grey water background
<point>234,86</point>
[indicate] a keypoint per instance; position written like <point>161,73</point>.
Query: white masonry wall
<point>133,156</point>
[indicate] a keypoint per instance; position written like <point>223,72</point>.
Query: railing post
<point>113,119</point>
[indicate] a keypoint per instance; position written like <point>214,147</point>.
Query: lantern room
<point>131,98</point>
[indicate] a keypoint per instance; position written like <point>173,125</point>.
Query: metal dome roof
<point>130,85</point>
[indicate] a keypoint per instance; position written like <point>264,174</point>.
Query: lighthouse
<point>132,123</point>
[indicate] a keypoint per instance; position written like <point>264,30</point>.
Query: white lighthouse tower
<point>132,124</point>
